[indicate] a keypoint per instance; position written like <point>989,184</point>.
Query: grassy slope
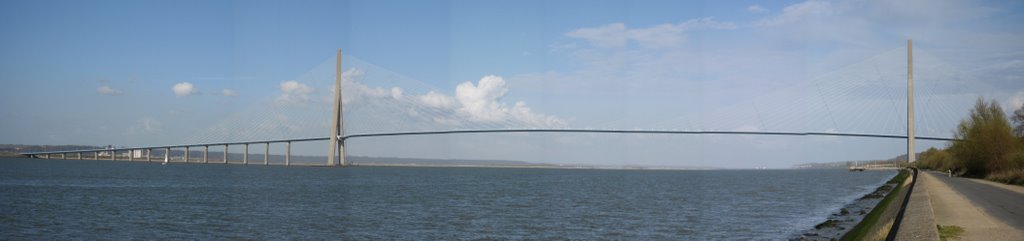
<point>860,232</point>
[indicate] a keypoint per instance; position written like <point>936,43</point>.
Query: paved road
<point>986,210</point>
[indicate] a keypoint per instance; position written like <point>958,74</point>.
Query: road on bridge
<point>986,210</point>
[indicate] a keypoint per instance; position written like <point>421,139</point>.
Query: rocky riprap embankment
<point>842,221</point>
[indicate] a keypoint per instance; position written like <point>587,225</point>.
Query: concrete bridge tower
<point>911,153</point>
<point>337,122</point>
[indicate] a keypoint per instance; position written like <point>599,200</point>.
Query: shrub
<point>988,143</point>
<point>1013,176</point>
<point>938,159</point>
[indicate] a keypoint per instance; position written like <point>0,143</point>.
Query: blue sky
<point>166,72</point>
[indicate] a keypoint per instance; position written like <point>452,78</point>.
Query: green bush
<point>938,159</point>
<point>987,141</point>
<point>987,146</point>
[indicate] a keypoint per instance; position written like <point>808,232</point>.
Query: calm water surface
<point>57,199</point>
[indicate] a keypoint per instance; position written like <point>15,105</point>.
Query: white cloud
<point>294,92</point>
<point>607,36</point>
<point>473,104</point>
<point>436,100</point>
<point>1015,102</point>
<point>353,91</point>
<point>184,89</point>
<point>482,102</point>
<point>617,35</point>
<point>396,93</point>
<point>107,90</point>
<point>756,9</point>
<point>798,12</point>
<point>228,93</point>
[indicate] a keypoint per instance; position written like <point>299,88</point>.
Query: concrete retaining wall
<point>880,229</point>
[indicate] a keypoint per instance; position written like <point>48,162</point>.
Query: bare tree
<point>1018,121</point>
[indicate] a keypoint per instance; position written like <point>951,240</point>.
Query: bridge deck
<point>449,132</point>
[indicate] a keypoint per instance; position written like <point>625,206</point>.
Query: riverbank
<point>857,215</point>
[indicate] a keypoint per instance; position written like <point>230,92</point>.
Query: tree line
<point>989,145</point>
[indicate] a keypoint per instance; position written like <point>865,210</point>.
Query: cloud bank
<point>294,92</point>
<point>473,104</point>
<point>797,12</point>
<point>617,35</point>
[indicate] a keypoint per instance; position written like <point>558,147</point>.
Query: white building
<point>138,153</point>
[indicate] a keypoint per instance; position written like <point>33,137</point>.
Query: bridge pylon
<point>911,153</point>
<point>337,148</point>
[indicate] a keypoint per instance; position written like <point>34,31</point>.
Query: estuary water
<point>64,199</point>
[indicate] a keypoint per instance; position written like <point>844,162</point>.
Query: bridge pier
<point>206,154</point>
<point>167,154</point>
<point>131,155</point>
<point>288,153</point>
<point>149,155</point>
<point>225,154</point>
<point>266,154</point>
<point>245,154</point>
<point>113,155</point>
<point>79,156</point>
<point>186,154</point>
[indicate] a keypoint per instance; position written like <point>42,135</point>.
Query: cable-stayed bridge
<point>859,93</point>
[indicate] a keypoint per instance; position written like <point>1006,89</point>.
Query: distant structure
<point>137,153</point>
<point>108,151</point>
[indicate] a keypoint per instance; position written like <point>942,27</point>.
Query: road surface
<point>986,210</point>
